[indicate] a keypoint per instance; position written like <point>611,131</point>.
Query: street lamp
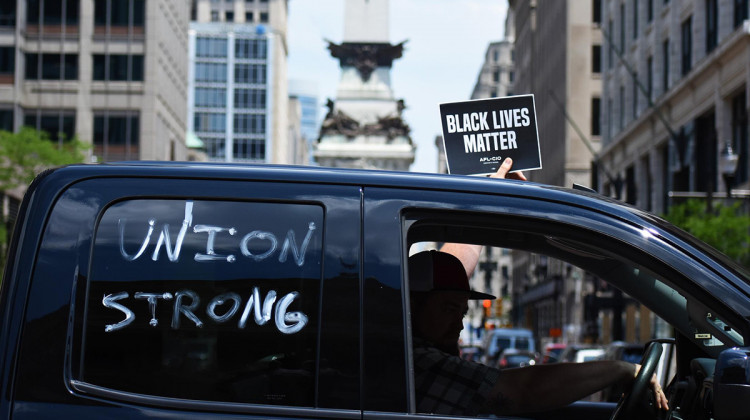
<point>728,166</point>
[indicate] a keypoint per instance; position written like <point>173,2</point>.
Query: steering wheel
<point>634,404</point>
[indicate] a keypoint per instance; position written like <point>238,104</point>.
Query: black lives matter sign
<point>478,135</point>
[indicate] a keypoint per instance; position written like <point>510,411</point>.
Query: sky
<point>446,44</point>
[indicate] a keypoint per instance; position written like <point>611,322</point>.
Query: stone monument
<point>364,127</point>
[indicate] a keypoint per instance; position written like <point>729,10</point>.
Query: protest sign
<point>478,135</point>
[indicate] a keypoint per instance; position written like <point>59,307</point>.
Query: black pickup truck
<point>196,291</point>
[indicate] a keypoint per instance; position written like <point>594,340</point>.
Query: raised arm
<point>469,253</point>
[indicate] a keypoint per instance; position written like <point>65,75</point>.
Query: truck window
<point>204,300</point>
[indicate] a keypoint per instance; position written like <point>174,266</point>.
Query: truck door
<point>194,298</point>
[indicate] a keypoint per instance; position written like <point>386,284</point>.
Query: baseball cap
<point>435,270</point>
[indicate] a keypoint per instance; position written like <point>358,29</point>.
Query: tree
<point>726,228</point>
<point>23,156</point>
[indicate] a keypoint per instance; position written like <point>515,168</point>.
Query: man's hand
<point>503,171</point>
<point>660,398</point>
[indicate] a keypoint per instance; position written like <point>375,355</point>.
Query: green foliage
<point>726,229</point>
<point>28,152</point>
<point>23,156</point>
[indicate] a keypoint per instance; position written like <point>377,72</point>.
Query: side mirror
<point>732,384</point>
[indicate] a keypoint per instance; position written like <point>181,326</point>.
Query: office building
<point>238,102</point>
<point>305,93</point>
<point>674,95</point>
<point>557,50</point>
<point>112,73</point>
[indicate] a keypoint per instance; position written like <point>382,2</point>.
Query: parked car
<point>552,352</point>
<point>510,358</point>
<point>499,339</point>
<point>472,353</point>
<point>206,291</point>
<point>621,350</point>
<point>581,353</point>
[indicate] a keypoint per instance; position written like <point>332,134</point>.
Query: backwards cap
<point>435,270</point>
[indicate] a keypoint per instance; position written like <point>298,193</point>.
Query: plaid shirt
<point>447,384</point>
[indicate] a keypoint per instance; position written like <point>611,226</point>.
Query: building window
<point>496,76</point>
<point>610,27</point>
<point>211,97</point>
<point>687,45</point>
<point>59,126</point>
<point>650,11</point>
<point>596,8</point>
<point>211,47</point>
<point>8,13</point>
<point>214,15</point>
<point>263,17</point>
<point>712,23</point>
<point>596,128</point>
<point>249,123</point>
<point>665,65</point>
<point>229,16</point>
<point>635,19</point>
<point>249,149</point>
<point>215,147</point>
<point>211,122</point>
<point>51,67</point>
<point>631,191</point>
<point>740,12</point>
<point>119,13</point>
<point>51,12</point>
<point>610,122</point>
<point>211,72</point>
<point>740,137</point>
<point>649,79</point>
<point>7,64</point>
<point>118,67</point>
<point>6,119</point>
<point>511,76</point>
<point>495,56</point>
<point>635,96</point>
<point>250,73</point>
<point>116,137</point>
<point>250,98</point>
<point>250,48</point>
<point>596,59</point>
<point>622,27</point>
<point>622,107</point>
<point>249,17</point>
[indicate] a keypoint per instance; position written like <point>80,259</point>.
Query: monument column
<point>364,127</point>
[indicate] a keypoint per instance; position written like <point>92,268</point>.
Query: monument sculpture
<point>364,126</point>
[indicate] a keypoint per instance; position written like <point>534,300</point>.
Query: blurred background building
<point>238,105</point>
<point>558,48</point>
<point>495,80</point>
<point>303,94</point>
<point>674,95</point>
<point>95,68</point>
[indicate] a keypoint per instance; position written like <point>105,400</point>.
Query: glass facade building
<point>229,104</point>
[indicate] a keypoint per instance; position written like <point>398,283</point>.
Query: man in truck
<point>447,384</point>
